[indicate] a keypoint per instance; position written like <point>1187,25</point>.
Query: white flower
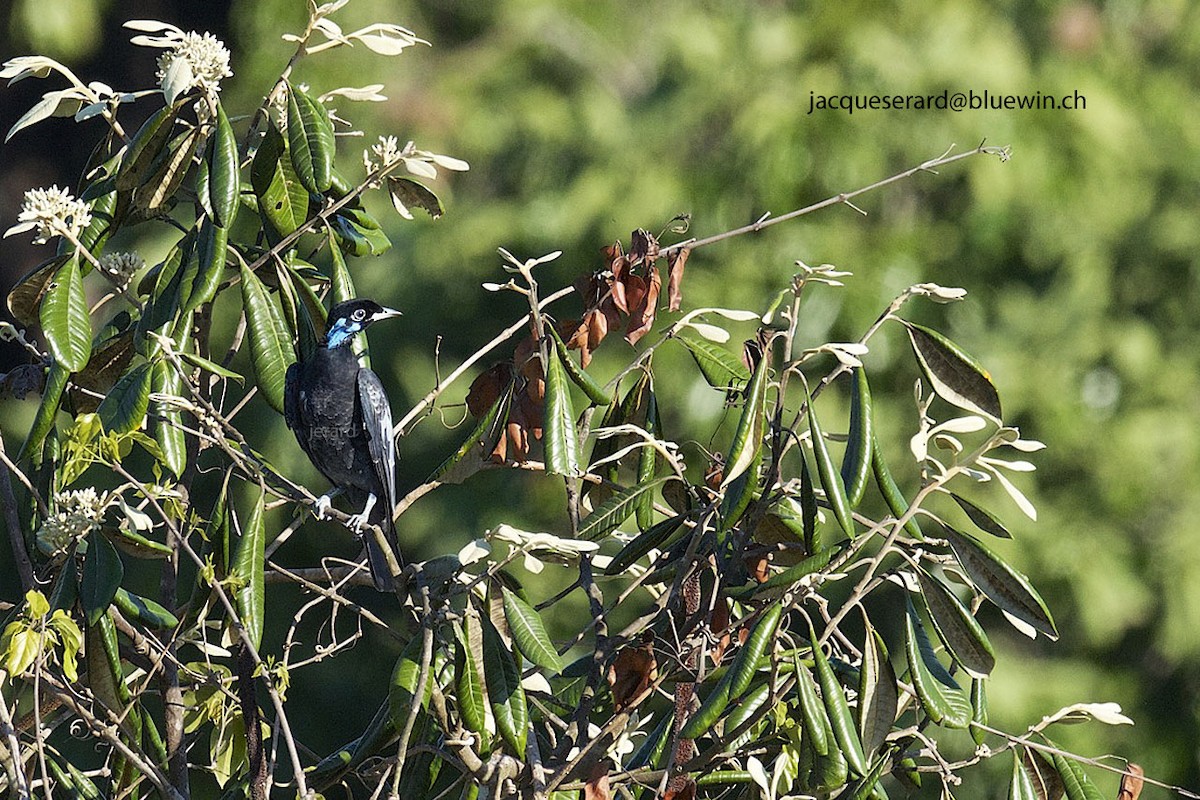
<point>79,513</point>
<point>121,266</point>
<point>192,59</point>
<point>53,212</point>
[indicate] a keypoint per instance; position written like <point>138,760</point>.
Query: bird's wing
<point>377,423</point>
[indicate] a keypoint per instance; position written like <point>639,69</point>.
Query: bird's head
<point>352,317</point>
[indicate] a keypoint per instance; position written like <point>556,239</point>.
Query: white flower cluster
<point>79,513</point>
<point>121,266</point>
<point>52,212</point>
<point>191,59</point>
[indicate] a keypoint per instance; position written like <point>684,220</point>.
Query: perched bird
<point>341,417</point>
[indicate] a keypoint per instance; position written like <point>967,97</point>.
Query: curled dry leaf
<point>676,262</point>
<point>1131,782</point>
<point>597,787</point>
<point>631,673</point>
<point>644,309</point>
<point>719,623</point>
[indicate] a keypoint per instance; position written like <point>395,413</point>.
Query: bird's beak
<point>385,314</point>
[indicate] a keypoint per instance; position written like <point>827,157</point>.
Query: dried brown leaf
<point>486,388</point>
<point>676,261</point>
<point>1131,782</point>
<point>596,787</point>
<point>641,317</point>
<point>630,674</point>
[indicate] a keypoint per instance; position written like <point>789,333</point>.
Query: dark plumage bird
<point>341,417</point>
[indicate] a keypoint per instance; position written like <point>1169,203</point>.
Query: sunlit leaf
<point>65,320</point>
<point>958,629</point>
<point>942,699</point>
<point>529,633</point>
<point>1003,585</point>
<point>955,376</point>
<point>562,445</point>
<point>124,408</point>
<point>310,140</point>
<point>270,344</point>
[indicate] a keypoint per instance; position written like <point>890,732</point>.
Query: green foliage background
<point>584,120</point>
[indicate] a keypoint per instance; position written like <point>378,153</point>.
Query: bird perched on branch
<point>340,414</point>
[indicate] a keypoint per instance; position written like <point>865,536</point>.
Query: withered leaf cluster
<point>623,293</point>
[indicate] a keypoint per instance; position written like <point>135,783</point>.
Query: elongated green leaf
<point>477,447</point>
<point>1003,585</point>
<point>102,573</point>
<point>867,785</point>
<point>942,699</point>
<point>157,191</point>
<point>43,420</point>
<point>719,367</point>
<point>1047,785</point>
<point>65,320</point>
<point>359,233</point>
<point>402,689</point>
<point>856,463</point>
<point>208,264</point>
<point>808,509</point>
<point>748,438</point>
<point>342,282</point>
<point>786,579</point>
<point>710,710</point>
<point>892,495</point>
<point>168,434</point>
<point>1075,781</point>
<point>578,375</point>
<point>310,140</point>
<point>979,709</point>
<point>505,694</point>
<point>248,565</point>
<point>124,408</point>
<point>282,199</point>
<point>224,183</point>
<point>737,496</point>
<point>982,519</point>
<point>878,695</point>
<point>143,610</point>
<point>814,718</point>
<point>838,709</point>
<point>208,365</point>
<point>562,446</point>
<point>956,377</point>
<point>529,633</point>
<point>957,627</point>
<point>616,509</point>
<point>750,707</point>
<point>652,537</point>
<point>407,193</point>
<point>136,545</point>
<point>146,148</point>
<point>270,344</point>
<point>468,680</point>
<point>831,479</point>
<point>761,638</point>
<point>1020,788</point>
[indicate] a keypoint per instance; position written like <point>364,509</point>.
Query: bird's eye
<point>358,315</point>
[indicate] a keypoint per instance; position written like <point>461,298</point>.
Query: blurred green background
<point>583,120</point>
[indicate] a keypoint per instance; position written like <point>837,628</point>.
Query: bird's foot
<point>362,519</point>
<point>322,506</point>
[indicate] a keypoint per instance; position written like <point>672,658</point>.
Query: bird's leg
<point>359,520</point>
<point>325,502</point>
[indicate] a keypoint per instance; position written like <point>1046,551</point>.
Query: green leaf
<point>831,479</point>
<point>942,699</point>
<point>1075,781</point>
<point>343,283</point>
<point>505,694</point>
<point>211,366</point>
<point>43,420</point>
<point>654,536</point>
<point>786,579</point>
<point>578,375</point>
<point>282,199</point>
<point>720,368</point>
<point>748,438</point>
<point>562,446</point>
<point>709,712</point>
<point>224,184</point>
<point>102,573</point>
<point>209,260</point>
<point>25,298</point>
<point>124,408</point>
<point>956,377</point>
<point>1020,788</point>
<point>468,678</point>
<point>407,193</point>
<point>982,519</point>
<point>403,687</point>
<point>477,447</point>
<point>529,633</point>
<point>359,233</point>
<point>616,509</point>
<point>1003,585</point>
<point>156,192</point>
<point>892,495</point>
<point>979,709</point>
<point>310,140</point>
<point>957,627</point>
<point>144,610</point>
<point>168,434</point>
<point>270,343</point>
<point>65,320</point>
<point>856,464</point>
<point>838,709</point>
<point>247,573</point>
<point>878,695</point>
<point>146,148</point>
<point>817,729</point>
<point>745,664</point>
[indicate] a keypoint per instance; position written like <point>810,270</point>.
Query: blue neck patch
<point>342,331</point>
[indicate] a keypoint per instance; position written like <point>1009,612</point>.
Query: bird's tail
<point>381,572</point>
